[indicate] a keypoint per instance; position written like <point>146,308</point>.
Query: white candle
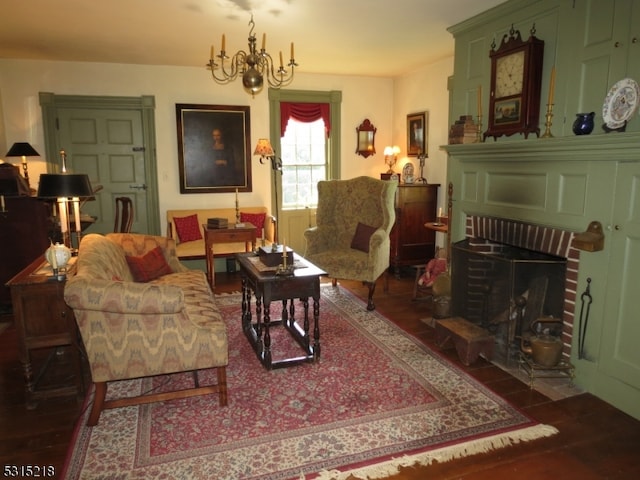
<point>76,212</point>
<point>62,204</point>
<point>2,202</point>
<point>479,100</point>
<point>439,211</point>
<point>223,42</point>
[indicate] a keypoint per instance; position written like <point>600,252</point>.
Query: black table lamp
<point>24,150</point>
<point>66,188</point>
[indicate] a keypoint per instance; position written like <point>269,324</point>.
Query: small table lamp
<point>24,150</point>
<point>66,188</point>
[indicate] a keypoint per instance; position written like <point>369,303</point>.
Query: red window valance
<point>304,112</point>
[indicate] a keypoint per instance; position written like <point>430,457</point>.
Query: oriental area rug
<point>377,399</point>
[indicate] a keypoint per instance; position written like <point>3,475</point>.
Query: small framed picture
<point>417,134</point>
<point>214,148</point>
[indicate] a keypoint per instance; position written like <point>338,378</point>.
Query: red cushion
<point>256,219</point>
<point>188,228</point>
<point>149,266</point>
<point>361,238</point>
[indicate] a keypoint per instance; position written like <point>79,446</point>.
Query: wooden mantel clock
<point>516,78</point>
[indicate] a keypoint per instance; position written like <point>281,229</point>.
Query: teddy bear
<point>434,267</point>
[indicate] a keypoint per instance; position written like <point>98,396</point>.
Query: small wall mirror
<point>366,134</point>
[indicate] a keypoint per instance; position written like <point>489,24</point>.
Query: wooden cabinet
<point>48,340</point>
<point>24,232</point>
<point>606,46</point>
<point>411,242</point>
<point>620,355</point>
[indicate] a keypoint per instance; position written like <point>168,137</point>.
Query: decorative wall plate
<point>620,103</point>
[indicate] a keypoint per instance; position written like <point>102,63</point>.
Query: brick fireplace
<point>532,251</point>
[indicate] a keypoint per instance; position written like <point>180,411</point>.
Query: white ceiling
<point>351,37</point>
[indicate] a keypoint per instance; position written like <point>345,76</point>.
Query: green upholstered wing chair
<point>351,236</point>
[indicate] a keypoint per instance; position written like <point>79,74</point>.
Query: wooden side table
<point>44,321</point>
<point>233,234</point>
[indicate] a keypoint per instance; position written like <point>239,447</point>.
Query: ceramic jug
<point>583,124</point>
<point>58,256</point>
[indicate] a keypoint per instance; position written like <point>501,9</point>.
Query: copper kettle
<point>545,349</point>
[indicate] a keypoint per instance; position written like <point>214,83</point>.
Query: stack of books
<point>464,130</point>
<point>217,223</point>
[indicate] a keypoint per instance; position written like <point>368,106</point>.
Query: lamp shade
<point>264,148</point>
<point>22,149</point>
<point>55,185</point>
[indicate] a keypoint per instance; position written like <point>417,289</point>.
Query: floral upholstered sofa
<point>142,313</point>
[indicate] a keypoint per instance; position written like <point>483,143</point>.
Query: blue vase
<point>583,125</point>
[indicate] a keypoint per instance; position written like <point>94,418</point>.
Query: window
<point>304,163</point>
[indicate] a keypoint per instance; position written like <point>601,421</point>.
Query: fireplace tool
<point>584,317</point>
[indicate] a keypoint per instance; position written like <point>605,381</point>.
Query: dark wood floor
<point>596,441</point>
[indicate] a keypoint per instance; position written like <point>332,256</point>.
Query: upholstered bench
<point>469,339</point>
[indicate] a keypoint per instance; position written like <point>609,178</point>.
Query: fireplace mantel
<point>612,146</point>
<point>563,182</point>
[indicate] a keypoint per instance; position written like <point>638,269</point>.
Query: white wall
<point>385,102</point>
<point>420,91</point>
<point>22,80</point>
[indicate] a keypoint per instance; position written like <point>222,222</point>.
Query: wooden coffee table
<point>261,282</point>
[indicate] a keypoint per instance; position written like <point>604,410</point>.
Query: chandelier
<point>253,66</point>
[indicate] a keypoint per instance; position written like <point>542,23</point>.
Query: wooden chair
<point>124,215</point>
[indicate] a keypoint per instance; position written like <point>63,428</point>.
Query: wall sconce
<point>24,150</point>
<point>391,157</point>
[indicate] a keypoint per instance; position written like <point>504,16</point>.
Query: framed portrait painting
<point>214,148</point>
<point>417,134</point>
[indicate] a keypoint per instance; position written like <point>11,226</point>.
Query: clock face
<point>509,75</point>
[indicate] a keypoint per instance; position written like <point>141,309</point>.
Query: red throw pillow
<point>361,238</point>
<point>149,266</point>
<point>188,228</point>
<point>255,219</point>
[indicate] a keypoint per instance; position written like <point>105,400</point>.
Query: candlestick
<point>552,85</point>
<point>549,115</point>
<point>284,253</point>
